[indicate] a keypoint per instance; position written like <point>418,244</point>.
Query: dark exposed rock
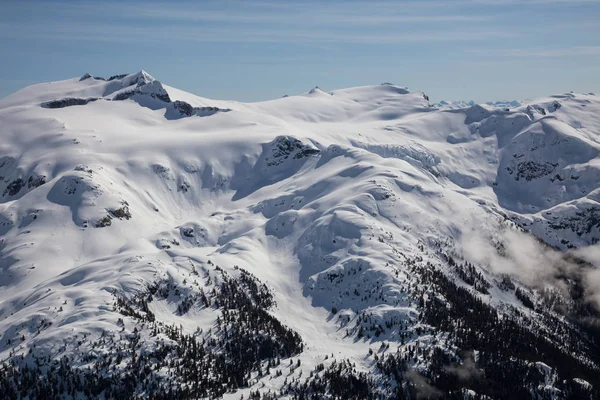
<point>183,107</point>
<point>183,187</point>
<point>530,170</point>
<point>532,109</point>
<point>187,110</point>
<point>67,102</point>
<point>127,94</point>
<point>121,76</point>
<point>124,95</point>
<point>122,212</point>
<point>163,97</point>
<point>286,146</point>
<point>83,168</point>
<point>14,187</point>
<point>160,169</point>
<point>581,222</point>
<point>305,152</point>
<point>36,182</point>
<point>88,76</point>
<point>104,221</point>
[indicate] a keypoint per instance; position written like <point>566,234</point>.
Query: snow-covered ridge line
<point>459,104</point>
<point>140,87</point>
<point>357,242</point>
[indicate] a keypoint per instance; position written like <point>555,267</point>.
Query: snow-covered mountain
<point>359,243</point>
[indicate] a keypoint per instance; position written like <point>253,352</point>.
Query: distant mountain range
<point>454,105</point>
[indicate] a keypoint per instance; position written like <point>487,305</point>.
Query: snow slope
<point>458,104</point>
<point>330,199</point>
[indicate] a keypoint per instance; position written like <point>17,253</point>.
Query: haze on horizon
<point>480,50</point>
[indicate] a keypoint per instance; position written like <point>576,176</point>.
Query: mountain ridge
<point>344,222</point>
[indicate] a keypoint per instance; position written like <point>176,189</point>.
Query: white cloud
<point>536,265</point>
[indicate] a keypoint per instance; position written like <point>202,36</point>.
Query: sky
<point>481,50</point>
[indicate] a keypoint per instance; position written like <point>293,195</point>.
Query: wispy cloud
<point>355,13</point>
<point>124,33</point>
<point>312,23</point>
<point>561,52</point>
<point>533,263</point>
<point>348,16</point>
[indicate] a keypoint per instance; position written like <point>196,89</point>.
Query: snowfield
<point>363,211</point>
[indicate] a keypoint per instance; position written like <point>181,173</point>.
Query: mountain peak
<point>317,91</point>
<point>139,78</point>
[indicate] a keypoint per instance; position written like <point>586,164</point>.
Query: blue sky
<point>256,50</point>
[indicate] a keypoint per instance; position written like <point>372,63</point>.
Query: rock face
<point>284,147</point>
<point>67,102</point>
<point>185,109</point>
<point>140,87</point>
<point>358,244</point>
